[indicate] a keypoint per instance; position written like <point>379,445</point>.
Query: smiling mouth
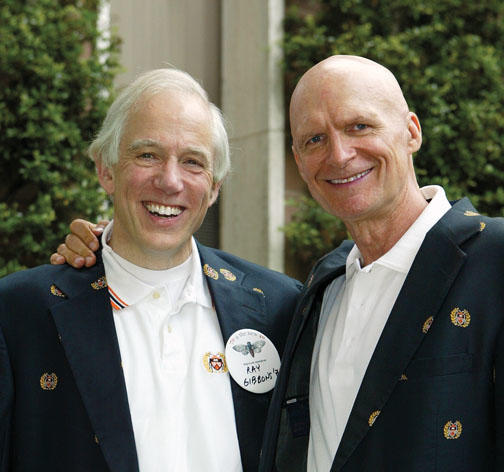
<point>163,210</point>
<point>352,178</point>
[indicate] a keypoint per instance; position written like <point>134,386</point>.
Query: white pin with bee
<point>252,360</point>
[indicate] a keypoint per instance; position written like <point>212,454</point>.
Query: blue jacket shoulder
<point>253,272</point>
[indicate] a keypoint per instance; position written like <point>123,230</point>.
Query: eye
<point>193,162</point>
<point>315,139</point>
<point>146,156</point>
<point>360,126</point>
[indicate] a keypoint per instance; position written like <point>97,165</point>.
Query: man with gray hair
<point>122,367</point>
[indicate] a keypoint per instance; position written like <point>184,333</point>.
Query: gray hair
<point>105,146</point>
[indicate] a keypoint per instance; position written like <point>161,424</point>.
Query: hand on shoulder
<point>80,244</point>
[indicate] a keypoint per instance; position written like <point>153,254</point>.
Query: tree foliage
<point>312,230</point>
<point>448,56</point>
<point>55,88</point>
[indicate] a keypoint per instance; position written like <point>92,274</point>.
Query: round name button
<point>252,360</point>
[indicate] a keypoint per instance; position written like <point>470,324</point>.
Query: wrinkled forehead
<point>347,79</point>
<point>348,87</point>
<point>167,113</point>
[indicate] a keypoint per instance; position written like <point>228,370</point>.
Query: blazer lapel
<point>408,323</point>
<point>86,326</point>
<point>293,382</point>
<point>323,273</point>
<point>239,307</point>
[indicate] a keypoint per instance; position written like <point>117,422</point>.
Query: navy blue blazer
<point>432,398</point>
<point>63,401</point>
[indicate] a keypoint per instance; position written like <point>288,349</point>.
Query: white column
<point>252,200</point>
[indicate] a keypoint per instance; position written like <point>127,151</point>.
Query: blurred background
<point>61,62</point>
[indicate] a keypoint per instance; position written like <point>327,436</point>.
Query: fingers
<point>87,233</point>
<point>76,252</point>
<point>98,228</point>
<point>75,259</point>
<point>101,225</point>
<point>78,249</point>
<point>56,259</point>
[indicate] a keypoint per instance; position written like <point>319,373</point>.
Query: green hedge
<point>448,56</point>
<point>55,89</point>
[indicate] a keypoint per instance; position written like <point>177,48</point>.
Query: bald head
<point>353,138</point>
<point>349,75</point>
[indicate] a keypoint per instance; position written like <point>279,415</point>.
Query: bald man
<point>395,356</point>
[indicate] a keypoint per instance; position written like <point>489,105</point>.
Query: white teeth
<point>163,210</point>
<point>350,179</point>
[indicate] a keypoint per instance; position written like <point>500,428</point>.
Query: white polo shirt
<point>172,353</point>
<point>354,311</point>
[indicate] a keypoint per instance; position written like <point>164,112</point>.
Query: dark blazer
<point>63,401</point>
<point>432,398</point>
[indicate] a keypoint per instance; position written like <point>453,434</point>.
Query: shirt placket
<point>167,326</point>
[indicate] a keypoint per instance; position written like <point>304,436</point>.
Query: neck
<point>376,236</point>
<point>153,260</point>
<point>148,257</point>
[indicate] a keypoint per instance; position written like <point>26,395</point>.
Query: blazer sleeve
<point>499,401</point>
<point>6,396</point>
<point>6,399</point>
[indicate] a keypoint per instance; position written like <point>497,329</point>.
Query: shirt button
<point>156,295</point>
<point>168,328</point>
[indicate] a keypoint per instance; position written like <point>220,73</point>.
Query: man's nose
<point>342,149</point>
<point>169,177</point>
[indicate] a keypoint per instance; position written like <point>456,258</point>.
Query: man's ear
<point>214,193</point>
<point>415,133</point>
<point>105,176</point>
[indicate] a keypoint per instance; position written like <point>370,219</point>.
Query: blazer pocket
<point>439,366</point>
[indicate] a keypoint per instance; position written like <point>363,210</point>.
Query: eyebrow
<point>371,116</point>
<point>140,143</point>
